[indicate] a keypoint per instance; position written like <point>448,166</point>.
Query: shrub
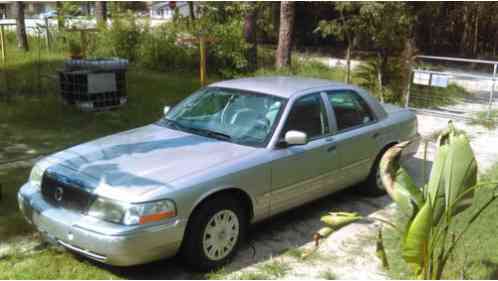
<point>121,39</point>
<point>305,68</point>
<point>160,50</point>
<point>228,51</point>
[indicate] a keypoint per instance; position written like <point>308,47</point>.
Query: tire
<point>206,246</point>
<point>373,185</point>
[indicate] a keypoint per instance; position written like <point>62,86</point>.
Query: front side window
<point>350,109</point>
<point>233,115</point>
<point>307,115</point>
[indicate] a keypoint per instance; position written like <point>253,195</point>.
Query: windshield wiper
<point>176,124</point>
<point>212,134</point>
<point>201,131</point>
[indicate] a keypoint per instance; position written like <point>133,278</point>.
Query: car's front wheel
<point>214,233</point>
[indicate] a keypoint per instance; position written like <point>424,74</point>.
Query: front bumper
<point>105,242</point>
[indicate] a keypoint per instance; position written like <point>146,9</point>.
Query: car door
<point>298,171</point>
<point>357,131</point>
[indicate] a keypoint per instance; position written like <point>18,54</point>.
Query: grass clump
<point>434,97</point>
<point>305,68</point>
<point>268,271</point>
<point>50,264</point>
<point>328,275</point>
<point>12,222</point>
<point>485,119</point>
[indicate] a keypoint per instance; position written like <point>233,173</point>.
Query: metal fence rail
<point>438,87</point>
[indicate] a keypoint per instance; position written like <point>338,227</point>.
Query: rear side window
<point>308,115</point>
<point>350,109</point>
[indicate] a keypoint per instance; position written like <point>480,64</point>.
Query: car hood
<point>141,160</point>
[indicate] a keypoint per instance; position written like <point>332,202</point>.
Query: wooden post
<point>2,44</point>
<point>202,48</point>
<point>83,43</point>
<point>47,33</point>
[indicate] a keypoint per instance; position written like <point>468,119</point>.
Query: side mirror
<point>296,138</point>
<point>166,110</point>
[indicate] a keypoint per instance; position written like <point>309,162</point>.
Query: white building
<point>166,10</point>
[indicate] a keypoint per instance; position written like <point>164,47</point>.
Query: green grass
<point>483,119</point>
<point>50,264</point>
<point>268,271</point>
<point>38,122</point>
<point>433,97</point>
<point>476,257</point>
<point>328,275</point>
<point>12,222</point>
<point>306,68</point>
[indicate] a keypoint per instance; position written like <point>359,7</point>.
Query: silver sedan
<point>233,153</point>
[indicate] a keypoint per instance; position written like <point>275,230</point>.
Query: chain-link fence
<point>454,87</point>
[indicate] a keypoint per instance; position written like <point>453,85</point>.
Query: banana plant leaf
<point>435,186</point>
<point>399,185</point>
<point>460,174</point>
<point>415,246</point>
<point>340,219</point>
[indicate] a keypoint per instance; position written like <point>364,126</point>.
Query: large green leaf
<point>460,174</point>
<point>435,187</point>
<point>415,247</point>
<point>406,193</point>
<point>399,185</point>
<point>340,219</point>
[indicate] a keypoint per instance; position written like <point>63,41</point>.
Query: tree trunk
<point>382,57</point>
<point>348,64</point>
<point>275,17</point>
<point>283,55</point>
<point>101,13</point>
<point>60,15</point>
<point>22,38</point>
<point>251,37</point>
<point>476,32</point>
<point>191,10</point>
<point>465,31</point>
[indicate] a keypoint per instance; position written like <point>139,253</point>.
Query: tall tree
<point>22,38</point>
<point>191,10</point>
<point>59,7</point>
<point>101,13</point>
<point>284,49</point>
<point>346,27</point>
<point>250,35</point>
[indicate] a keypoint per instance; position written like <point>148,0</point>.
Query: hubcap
<point>220,235</point>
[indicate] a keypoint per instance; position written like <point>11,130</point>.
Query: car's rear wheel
<point>214,233</point>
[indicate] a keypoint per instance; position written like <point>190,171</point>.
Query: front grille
<point>64,195</point>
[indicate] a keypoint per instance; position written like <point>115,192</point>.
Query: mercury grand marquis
<point>232,154</point>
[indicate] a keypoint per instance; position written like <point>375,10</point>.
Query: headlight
<point>36,175</point>
<point>132,214</point>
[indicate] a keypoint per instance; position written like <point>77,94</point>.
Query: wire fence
<point>454,87</point>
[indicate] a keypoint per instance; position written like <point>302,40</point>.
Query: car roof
<point>282,86</point>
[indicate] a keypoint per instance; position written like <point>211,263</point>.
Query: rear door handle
<point>375,135</point>
<point>331,148</point>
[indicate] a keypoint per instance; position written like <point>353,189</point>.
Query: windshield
<point>232,115</point>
